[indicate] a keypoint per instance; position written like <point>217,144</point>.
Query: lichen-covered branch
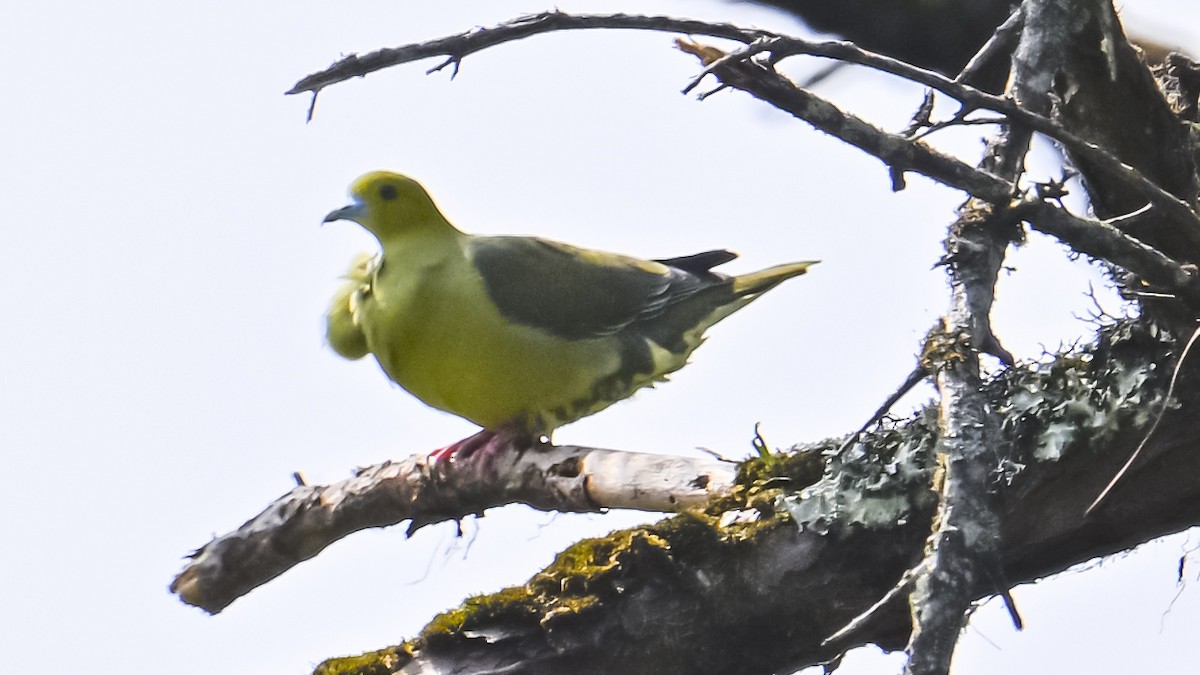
<point>301,523</point>
<point>964,544</point>
<point>695,594</point>
<point>963,550</point>
<point>962,553</point>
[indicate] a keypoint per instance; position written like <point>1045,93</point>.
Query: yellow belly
<point>437,334</point>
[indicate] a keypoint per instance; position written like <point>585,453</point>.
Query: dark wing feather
<point>577,294</point>
<point>701,264</point>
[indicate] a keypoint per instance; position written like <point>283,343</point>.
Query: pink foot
<point>464,448</point>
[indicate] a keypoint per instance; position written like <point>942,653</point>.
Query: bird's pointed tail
<point>762,281</point>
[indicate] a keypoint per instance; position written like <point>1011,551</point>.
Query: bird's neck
<point>422,247</point>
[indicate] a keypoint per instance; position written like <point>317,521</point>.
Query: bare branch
<point>457,47</point>
<point>1102,241</point>
<point>862,619</point>
<point>918,375</point>
<point>301,523</point>
<point>1172,207</point>
<point>897,151</point>
<point>1086,235</point>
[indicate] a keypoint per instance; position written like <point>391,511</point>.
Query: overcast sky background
<point>164,277</point>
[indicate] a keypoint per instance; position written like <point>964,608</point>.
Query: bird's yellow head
<point>390,205</point>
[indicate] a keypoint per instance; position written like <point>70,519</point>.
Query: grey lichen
<point>872,483</point>
<point>1071,402</point>
<point>1047,409</point>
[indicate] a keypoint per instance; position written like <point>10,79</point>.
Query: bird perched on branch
<point>519,335</point>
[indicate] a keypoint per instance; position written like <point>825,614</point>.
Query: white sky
<point>164,279</point>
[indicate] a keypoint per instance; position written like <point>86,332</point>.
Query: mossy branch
<point>698,594</point>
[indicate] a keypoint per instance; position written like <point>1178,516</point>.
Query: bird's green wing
<point>342,331</point>
<point>576,293</point>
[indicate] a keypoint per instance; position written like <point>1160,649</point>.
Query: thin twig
<point>895,150</point>
<point>822,74</point>
<point>921,119</point>
<point>914,378</point>
<point>902,585</point>
<point>1162,411</point>
<point>1002,39</point>
<point>1135,217</point>
<point>959,121</point>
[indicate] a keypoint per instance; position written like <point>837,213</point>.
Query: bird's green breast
<point>430,323</point>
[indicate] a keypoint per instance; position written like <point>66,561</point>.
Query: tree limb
<point>1177,211</point>
<point>962,553</point>
<point>301,523</point>
<point>1089,236</point>
<point>457,47</point>
<point>676,597</point>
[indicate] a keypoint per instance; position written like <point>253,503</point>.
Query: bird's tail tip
<point>764,280</point>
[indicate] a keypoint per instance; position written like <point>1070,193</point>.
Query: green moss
<point>802,465</point>
<point>382,662</point>
<point>759,483</point>
<point>479,610</point>
<point>588,567</point>
<point>580,578</point>
<point>589,556</point>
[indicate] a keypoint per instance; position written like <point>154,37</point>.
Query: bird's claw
<point>463,449</point>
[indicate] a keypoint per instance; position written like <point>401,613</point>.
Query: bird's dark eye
<point>387,192</point>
